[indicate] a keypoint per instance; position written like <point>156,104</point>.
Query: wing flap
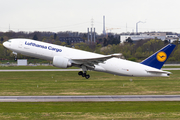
<point>94,61</point>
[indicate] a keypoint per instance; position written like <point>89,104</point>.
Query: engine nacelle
<point>61,62</point>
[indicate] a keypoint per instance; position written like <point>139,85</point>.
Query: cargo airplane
<point>64,57</point>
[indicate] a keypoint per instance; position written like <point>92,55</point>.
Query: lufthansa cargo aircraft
<point>64,57</point>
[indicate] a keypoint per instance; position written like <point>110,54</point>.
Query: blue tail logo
<point>158,59</point>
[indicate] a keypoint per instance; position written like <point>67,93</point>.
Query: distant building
<point>156,34</point>
<point>71,40</point>
<point>135,37</point>
<point>161,36</point>
<point>172,38</point>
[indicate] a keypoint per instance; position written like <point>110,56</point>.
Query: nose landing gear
<point>15,55</point>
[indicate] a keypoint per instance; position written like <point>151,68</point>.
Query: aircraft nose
<point>5,44</point>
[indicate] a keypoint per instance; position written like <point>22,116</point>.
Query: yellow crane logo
<point>161,56</point>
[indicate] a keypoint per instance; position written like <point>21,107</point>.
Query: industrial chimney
<point>104,31</point>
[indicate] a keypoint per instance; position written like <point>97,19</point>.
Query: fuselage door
<point>20,44</point>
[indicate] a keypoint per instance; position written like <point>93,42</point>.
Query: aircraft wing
<point>90,62</point>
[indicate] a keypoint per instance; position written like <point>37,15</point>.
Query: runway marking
<point>29,70</point>
<point>97,98</point>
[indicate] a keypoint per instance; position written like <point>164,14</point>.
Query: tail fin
<point>158,59</point>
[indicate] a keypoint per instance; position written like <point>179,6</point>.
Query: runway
<point>33,70</point>
<point>98,98</point>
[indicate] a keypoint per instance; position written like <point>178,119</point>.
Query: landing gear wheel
<point>80,73</point>
<point>84,75</point>
<point>15,58</point>
<point>87,76</point>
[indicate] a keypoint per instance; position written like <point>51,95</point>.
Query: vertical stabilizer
<point>158,59</point>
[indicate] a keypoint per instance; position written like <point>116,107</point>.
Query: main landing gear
<point>87,76</point>
<point>83,73</point>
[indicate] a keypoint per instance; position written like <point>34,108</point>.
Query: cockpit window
<point>9,41</point>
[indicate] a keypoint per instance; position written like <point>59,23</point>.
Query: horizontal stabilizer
<point>159,72</point>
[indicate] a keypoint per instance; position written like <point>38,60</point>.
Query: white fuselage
<point>47,51</point>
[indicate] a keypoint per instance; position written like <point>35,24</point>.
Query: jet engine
<point>61,62</point>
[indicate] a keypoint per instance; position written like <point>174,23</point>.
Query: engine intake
<point>61,62</point>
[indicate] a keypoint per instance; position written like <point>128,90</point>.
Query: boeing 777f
<point>64,57</point>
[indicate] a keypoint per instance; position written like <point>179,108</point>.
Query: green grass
<point>91,110</point>
<point>69,83</point>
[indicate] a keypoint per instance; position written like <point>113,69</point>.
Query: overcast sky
<point>77,15</point>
